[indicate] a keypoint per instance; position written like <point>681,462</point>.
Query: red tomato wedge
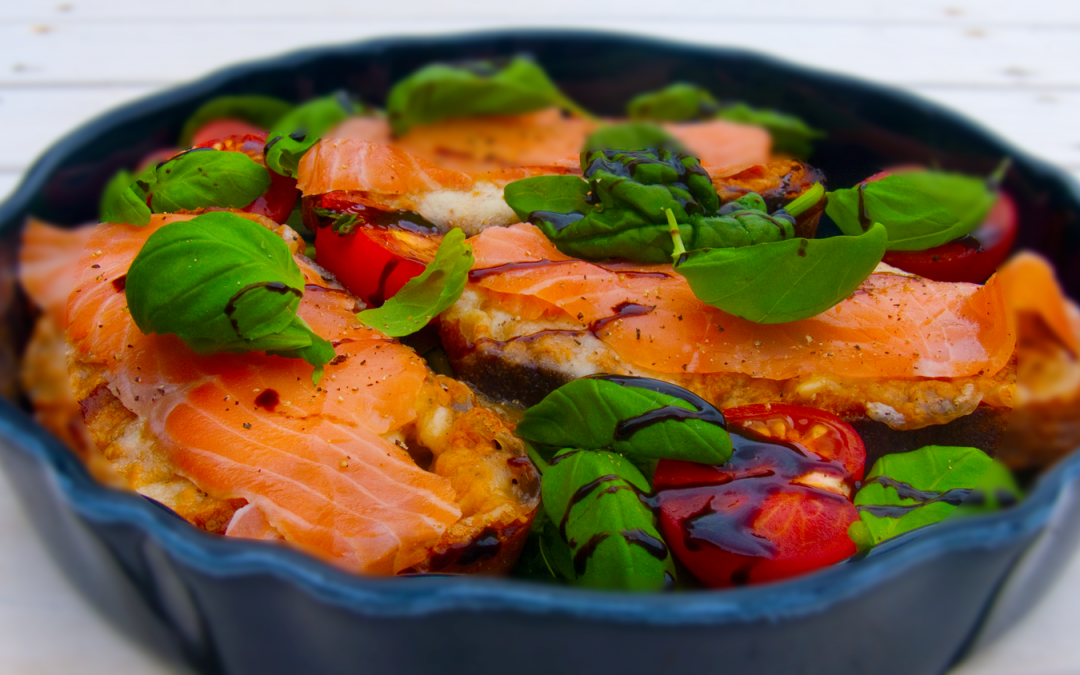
<point>380,253</point>
<point>278,200</point>
<point>970,259</point>
<point>780,507</point>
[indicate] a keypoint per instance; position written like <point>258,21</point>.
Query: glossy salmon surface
<point>894,326</point>
<point>311,460</point>
<point>479,144</point>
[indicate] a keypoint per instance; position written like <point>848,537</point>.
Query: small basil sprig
<point>632,136</point>
<point>295,133</point>
<point>222,283</point>
<point>613,538</point>
<point>260,111</point>
<point>906,491</point>
<point>123,201</point>
<point>679,102</point>
<point>618,211</point>
<point>191,180</point>
<point>682,102</point>
<point>471,88</point>
<point>919,209</point>
<point>790,135</point>
<point>783,281</point>
<point>426,295</point>
<point>635,416</point>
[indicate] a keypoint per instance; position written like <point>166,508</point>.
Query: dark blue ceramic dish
<point>914,607</point>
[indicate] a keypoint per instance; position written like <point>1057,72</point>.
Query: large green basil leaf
<point>790,135</point>
<point>906,491</point>
<point>920,210</point>
<point>635,416</point>
<point>632,136</point>
<point>223,284</point>
<point>472,88</point>
<point>260,111</point>
<point>426,295</point>
<point>615,544</point>
<point>123,201</point>
<point>295,133</point>
<point>786,280</point>
<point>206,177</point>
<point>679,102</point>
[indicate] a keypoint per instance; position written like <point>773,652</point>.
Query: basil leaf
<point>593,496</point>
<point>222,283</point>
<point>620,211</point>
<point>206,177</point>
<point>472,88</point>
<point>996,490</point>
<point>968,198</point>
<point>685,102</point>
<point>679,102</point>
<point>295,133</point>
<point>910,490</point>
<point>552,198</point>
<point>783,281</point>
<point>261,111</point>
<point>426,295</point>
<point>632,136</point>
<point>634,416</point>
<point>124,202</point>
<point>790,135</point>
<point>914,208</point>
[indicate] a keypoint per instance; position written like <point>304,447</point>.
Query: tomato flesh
<point>381,253</point>
<point>216,129</point>
<point>970,259</point>
<point>278,200</point>
<point>780,507</point>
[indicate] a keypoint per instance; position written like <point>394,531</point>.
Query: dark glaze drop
<point>484,546</point>
<point>703,410</point>
<point>954,497</point>
<point>268,399</point>
<point>477,275</point>
<point>559,221</point>
<point>410,221</point>
<point>581,493</point>
<point>653,546</point>
<point>379,296</point>
<point>802,248</point>
<point>581,558</point>
<point>272,286</point>
<point>622,311</point>
<point>759,468</point>
<point>864,216</point>
<point>120,283</point>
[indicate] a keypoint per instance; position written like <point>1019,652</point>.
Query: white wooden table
<point>1014,66</point>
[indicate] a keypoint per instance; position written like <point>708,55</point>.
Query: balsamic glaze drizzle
<point>272,286</point>
<point>953,497</point>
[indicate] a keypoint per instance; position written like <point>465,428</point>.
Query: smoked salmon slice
<point>545,137</point>
<point>902,350</point>
<point>311,460</point>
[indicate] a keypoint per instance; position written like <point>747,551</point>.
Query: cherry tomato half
<point>379,255</point>
<point>780,507</point>
<point>278,200</point>
<point>215,129</point>
<point>972,258</point>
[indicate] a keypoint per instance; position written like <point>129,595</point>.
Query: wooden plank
<point>1041,121</point>
<point>965,12</point>
<point>130,52</point>
<point>42,116</point>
